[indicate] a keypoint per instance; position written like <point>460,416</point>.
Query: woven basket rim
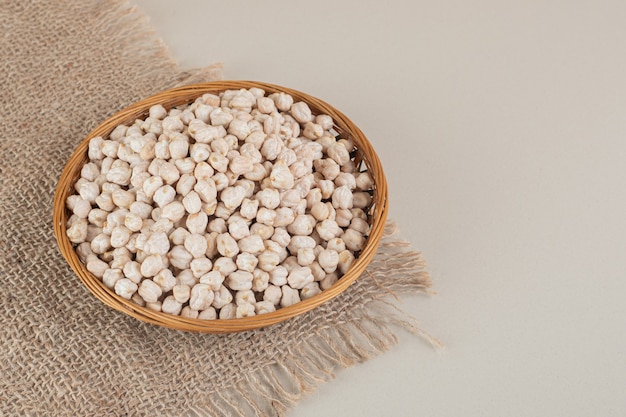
<point>186,94</point>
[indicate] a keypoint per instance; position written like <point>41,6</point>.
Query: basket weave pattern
<point>366,159</point>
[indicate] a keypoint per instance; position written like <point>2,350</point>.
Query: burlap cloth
<point>65,67</point>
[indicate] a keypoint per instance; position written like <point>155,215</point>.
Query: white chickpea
<point>302,225</point>
<point>246,262</point>
<point>282,101</point>
<point>133,222</point>
<point>89,191</point>
<point>268,198</point>
<point>266,216</point>
<point>227,245</point>
<point>164,195</point>
<point>281,176</point>
<point>201,297</point>
<point>142,210</point>
<point>120,236</point>
<point>207,134</point>
<point>317,271</point>
<point>214,279</point>
<point>218,162</point>
<point>162,148</point>
<point>281,236</point>
<point>200,266</point>
<point>305,256</point>
<point>100,243</point>
<point>360,225</point>
<point>272,294</point>
<point>132,271</point>
<point>244,310</point>
<point>197,222</point>
<point>151,265</point>
<point>309,290</point>
<point>328,259</point>
<point>239,128</point>
<point>157,244</point>
<point>178,236</point>
<point>179,257</point>
<point>301,112</point>
<point>361,200</point>
<point>109,148</point>
<point>173,211</point>
<point>354,240</point>
<point>149,291</point>
<point>171,305</point>
<point>224,265</point>
<point>232,197</point>
<point>289,296</point>
<point>345,179</point>
<point>284,217</point>
<point>364,181</point>
<point>219,117</point>
<point>185,277</point>
<point>338,153</point>
<point>252,244</point>
<point>264,307</point>
<point>326,187</point>
<point>346,258</point>
<point>125,288</point>
<point>328,281</point>
<point>268,260</point>
<point>96,266</point>
<point>238,229</point>
<point>189,313</point>
<point>181,293</point>
<point>157,112</point>
<point>77,232</point>
<point>299,277</point>
<point>272,246</point>
<point>206,189</point>
<point>208,314</point>
<point>245,297</point>
<point>265,105</point>
<point>343,217</point>
<point>84,250</point>
<point>152,184</point>
<point>165,279</point>
<point>81,208</point>
<point>320,211</point>
<point>328,229</point>
<point>111,277</point>
<point>342,198</point>
<point>156,306</point>
<point>239,280</point>
<point>301,242</point>
<point>95,148</point>
<point>222,298</point>
<point>92,232</point>
<point>221,181</point>
<point>195,244</point>
<point>249,208</point>
<point>105,202</point>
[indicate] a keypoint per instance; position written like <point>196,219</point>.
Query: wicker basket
<point>366,159</point>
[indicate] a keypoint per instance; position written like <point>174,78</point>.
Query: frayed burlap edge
<point>371,331</point>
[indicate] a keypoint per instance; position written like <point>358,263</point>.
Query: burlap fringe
<point>370,332</point>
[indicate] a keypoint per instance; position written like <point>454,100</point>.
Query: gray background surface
<point>502,128</point>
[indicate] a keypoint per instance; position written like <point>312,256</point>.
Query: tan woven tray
<point>366,159</point>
